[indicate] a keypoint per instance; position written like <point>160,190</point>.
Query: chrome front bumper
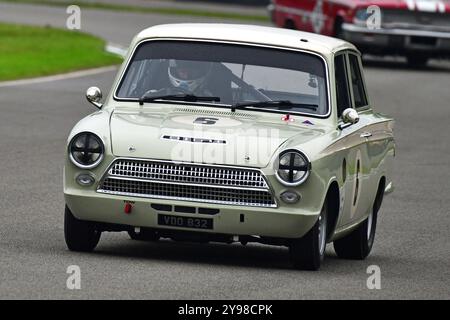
<point>397,39</point>
<point>231,220</point>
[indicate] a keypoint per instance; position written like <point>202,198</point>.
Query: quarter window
<point>342,89</point>
<point>359,94</point>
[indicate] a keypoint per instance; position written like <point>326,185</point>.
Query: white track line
<point>116,49</point>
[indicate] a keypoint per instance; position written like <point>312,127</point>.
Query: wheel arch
<point>380,194</point>
<point>333,199</point>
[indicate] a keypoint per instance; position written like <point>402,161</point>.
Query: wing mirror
<point>349,116</point>
<point>94,95</point>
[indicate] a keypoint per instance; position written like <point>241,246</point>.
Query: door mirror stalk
<point>349,117</point>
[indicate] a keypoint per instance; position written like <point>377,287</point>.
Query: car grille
<point>179,181</point>
<point>393,18</point>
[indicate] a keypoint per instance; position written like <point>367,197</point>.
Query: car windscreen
<point>234,73</point>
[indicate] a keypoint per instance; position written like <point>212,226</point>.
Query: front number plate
<point>185,222</point>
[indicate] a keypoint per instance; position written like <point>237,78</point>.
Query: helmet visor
<point>188,70</point>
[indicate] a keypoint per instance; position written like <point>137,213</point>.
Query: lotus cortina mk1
<point>232,133</point>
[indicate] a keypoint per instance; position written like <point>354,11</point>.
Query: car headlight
<point>293,168</point>
<point>86,150</point>
<point>362,15</point>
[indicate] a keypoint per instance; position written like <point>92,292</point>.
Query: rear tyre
<point>417,61</point>
<point>338,31</point>
<point>289,24</point>
<point>143,235</point>
<point>308,252</point>
<point>79,235</point>
<point>358,244</point>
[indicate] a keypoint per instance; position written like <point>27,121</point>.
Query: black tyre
<point>308,252</point>
<point>79,235</point>
<point>144,235</point>
<point>358,244</point>
<point>417,61</point>
<point>338,31</point>
<point>289,24</point>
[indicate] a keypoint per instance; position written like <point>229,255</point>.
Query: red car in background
<point>417,29</point>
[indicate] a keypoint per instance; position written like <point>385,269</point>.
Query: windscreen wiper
<point>177,97</point>
<point>280,104</point>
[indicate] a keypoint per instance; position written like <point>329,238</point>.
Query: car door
<point>353,146</point>
<point>377,131</point>
<point>363,167</point>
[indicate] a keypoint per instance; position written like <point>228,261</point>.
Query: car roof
<point>248,34</point>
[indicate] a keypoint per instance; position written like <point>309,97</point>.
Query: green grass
<point>39,51</point>
<point>162,10</point>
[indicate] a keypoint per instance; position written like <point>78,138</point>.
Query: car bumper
<point>232,220</point>
<point>397,40</point>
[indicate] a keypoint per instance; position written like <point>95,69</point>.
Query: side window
<point>342,90</point>
<point>357,83</point>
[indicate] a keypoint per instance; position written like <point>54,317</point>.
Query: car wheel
<point>417,61</point>
<point>289,24</point>
<point>308,252</point>
<point>358,244</point>
<point>79,235</point>
<point>143,235</point>
<point>338,31</point>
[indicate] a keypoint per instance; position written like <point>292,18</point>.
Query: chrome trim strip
<point>191,139</point>
<point>217,186</point>
<point>403,32</point>
<point>327,71</point>
<point>138,195</point>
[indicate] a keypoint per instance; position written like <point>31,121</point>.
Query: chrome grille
<point>187,173</point>
<point>393,18</point>
<point>159,179</point>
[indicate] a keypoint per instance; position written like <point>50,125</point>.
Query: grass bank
<point>27,51</point>
<point>156,10</point>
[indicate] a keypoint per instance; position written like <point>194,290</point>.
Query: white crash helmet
<point>188,75</point>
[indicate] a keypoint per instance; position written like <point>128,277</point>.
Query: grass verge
<point>27,51</point>
<point>140,9</point>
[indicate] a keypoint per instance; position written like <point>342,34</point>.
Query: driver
<point>190,76</point>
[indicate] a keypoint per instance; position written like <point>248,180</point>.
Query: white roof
<point>247,33</point>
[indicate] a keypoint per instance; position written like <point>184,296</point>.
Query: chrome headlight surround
<point>362,15</point>
<point>86,150</point>
<point>292,168</point>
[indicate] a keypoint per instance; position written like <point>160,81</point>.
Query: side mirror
<point>94,96</point>
<point>349,116</point>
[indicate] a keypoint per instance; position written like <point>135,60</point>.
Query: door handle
<point>366,135</point>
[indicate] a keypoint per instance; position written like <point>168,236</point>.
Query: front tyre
<point>308,252</point>
<point>358,244</point>
<point>79,235</point>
